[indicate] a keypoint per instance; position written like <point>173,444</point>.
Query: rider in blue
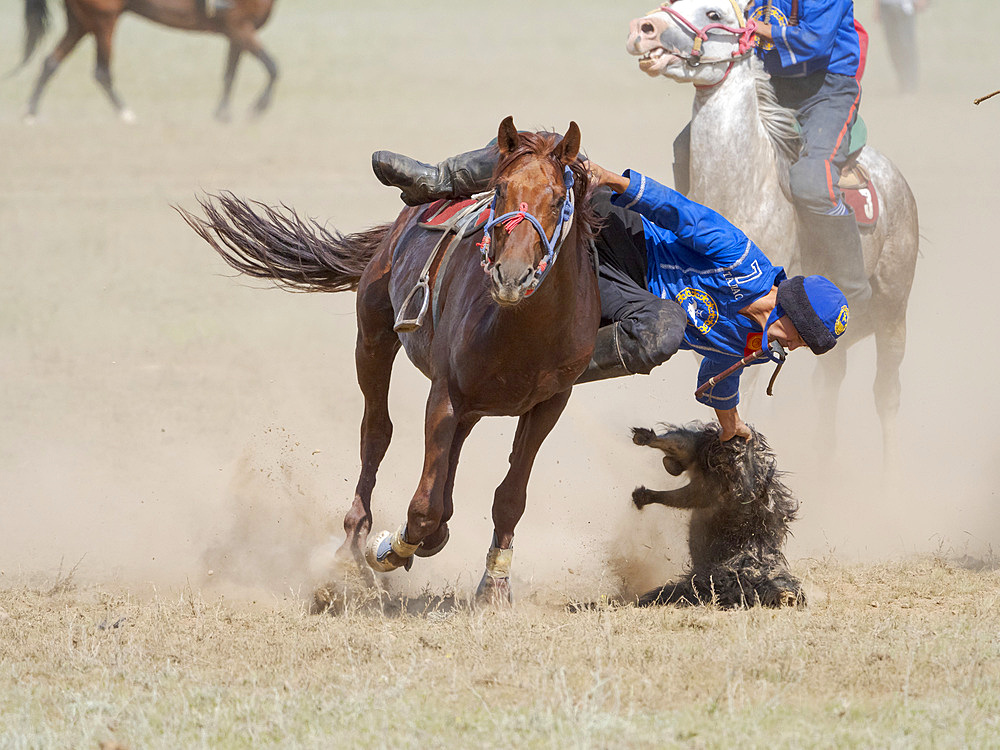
<point>812,54</point>
<point>675,274</point>
<point>812,51</point>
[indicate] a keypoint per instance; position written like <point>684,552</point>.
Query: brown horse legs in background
<point>239,23</point>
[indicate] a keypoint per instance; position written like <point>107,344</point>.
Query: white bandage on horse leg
<point>399,544</point>
<point>498,562</point>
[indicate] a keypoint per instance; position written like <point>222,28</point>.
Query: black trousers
<point>654,326</point>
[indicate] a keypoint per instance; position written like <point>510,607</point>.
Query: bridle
<point>746,34</point>
<point>552,244</point>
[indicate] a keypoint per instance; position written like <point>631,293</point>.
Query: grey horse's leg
<point>890,346</point>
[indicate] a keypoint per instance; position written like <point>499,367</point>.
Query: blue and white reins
<point>511,219</point>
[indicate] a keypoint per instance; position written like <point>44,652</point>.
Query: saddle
<point>855,183</point>
<point>443,215</point>
<point>455,218</point>
<point>859,193</point>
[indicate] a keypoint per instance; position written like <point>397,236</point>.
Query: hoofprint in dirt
<point>740,516</point>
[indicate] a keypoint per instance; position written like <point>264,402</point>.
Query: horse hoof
<point>424,552</point>
<point>494,592</point>
<point>378,552</point>
<point>382,558</point>
<point>29,119</point>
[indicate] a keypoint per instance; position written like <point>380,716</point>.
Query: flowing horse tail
<point>276,244</point>
<point>36,23</point>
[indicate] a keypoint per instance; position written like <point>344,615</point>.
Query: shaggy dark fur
<point>741,511</point>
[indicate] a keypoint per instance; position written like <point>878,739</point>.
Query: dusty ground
<point>163,421</point>
<point>179,447</point>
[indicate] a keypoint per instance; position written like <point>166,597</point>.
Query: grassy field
<point>186,443</point>
<point>890,655</point>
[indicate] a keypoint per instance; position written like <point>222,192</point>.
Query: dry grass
<point>154,411</point>
<point>892,655</point>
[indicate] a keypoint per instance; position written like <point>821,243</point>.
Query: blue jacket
<point>824,39</point>
<point>696,257</point>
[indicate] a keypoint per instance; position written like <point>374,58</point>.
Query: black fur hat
<point>817,308</point>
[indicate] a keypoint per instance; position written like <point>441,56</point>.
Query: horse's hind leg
<point>510,497</point>
<point>228,77</point>
<point>103,33</point>
<point>890,346</point>
<point>264,100</point>
<point>244,38</point>
<point>74,33</point>
<point>376,349</point>
<point>829,376</point>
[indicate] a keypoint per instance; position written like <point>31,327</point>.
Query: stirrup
<point>406,325</point>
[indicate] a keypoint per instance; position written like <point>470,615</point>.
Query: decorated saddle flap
<point>447,214</point>
<point>859,193</point>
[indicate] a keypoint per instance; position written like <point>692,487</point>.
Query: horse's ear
<point>507,136</point>
<point>569,147</point>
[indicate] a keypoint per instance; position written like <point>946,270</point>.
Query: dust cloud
<point>168,424</point>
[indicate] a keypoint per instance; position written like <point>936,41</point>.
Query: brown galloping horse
<point>508,342</point>
<point>237,20</point>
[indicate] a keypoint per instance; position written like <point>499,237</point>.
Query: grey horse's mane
<point>779,123</point>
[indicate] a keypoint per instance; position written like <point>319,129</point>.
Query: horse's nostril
<point>647,28</point>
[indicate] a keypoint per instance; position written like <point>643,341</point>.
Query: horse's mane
<point>542,143</point>
<point>779,122</point>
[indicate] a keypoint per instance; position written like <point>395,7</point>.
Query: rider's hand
<point>601,176</point>
<point>732,425</point>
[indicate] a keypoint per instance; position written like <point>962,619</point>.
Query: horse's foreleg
<point>435,542</point>
<point>510,497</point>
<point>228,77</point>
<point>423,517</point>
<point>74,33</point>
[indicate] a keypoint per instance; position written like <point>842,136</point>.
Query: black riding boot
<point>458,176</point>
<point>832,245</point>
<point>612,348</point>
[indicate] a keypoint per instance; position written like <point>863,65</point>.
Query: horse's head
<point>532,209</point>
<point>691,41</point>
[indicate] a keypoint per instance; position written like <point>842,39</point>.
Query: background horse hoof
<point>494,592</point>
<point>128,116</point>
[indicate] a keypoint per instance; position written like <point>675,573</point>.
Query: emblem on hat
<point>841,325</point>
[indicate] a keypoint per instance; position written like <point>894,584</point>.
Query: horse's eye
<point>714,15</point>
